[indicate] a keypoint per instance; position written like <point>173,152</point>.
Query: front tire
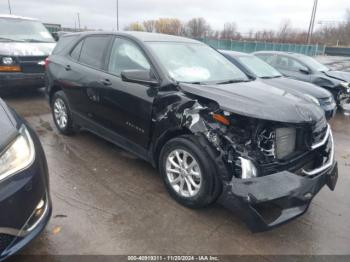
<point>61,113</point>
<point>188,172</point>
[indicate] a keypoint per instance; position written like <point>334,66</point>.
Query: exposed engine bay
<point>252,147</point>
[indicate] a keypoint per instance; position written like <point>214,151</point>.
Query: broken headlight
<point>345,84</point>
<point>19,155</point>
<point>248,169</point>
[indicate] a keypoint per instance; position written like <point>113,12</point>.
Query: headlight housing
<point>9,64</point>
<point>19,155</point>
<point>344,84</point>
<point>312,99</point>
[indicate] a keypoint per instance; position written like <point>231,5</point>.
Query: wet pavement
<point>107,201</point>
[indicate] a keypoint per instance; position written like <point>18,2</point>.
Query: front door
<point>126,108</point>
<point>292,68</point>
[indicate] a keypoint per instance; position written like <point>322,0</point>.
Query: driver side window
<point>125,55</point>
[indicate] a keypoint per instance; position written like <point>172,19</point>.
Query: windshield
<point>314,64</point>
<point>258,67</point>
<point>195,63</point>
<point>20,30</point>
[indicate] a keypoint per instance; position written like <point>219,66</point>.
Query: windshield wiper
<point>195,83</point>
<point>32,40</point>
<point>270,77</point>
<point>232,81</point>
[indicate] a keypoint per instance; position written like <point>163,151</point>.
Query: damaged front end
<point>270,171</point>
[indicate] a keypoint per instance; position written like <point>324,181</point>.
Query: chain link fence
<point>253,46</point>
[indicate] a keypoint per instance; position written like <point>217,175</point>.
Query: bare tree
<point>149,25</point>
<point>170,26</point>
<point>135,26</point>
<point>197,28</point>
<point>285,31</point>
<point>331,33</point>
<point>230,31</point>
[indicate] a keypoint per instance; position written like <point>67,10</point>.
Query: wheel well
<point>164,139</point>
<point>53,90</point>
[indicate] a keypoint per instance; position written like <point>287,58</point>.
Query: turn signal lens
<point>10,68</point>
<point>223,120</point>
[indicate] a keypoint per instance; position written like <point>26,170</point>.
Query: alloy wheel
<point>183,173</point>
<point>60,112</point>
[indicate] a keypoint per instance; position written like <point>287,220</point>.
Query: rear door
<point>84,74</point>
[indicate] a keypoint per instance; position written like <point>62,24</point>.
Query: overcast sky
<point>248,14</point>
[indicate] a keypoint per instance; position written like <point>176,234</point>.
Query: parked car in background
<point>257,68</point>
<point>25,204</point>
<point>308,69</point>
<point>213,133</point>
<point>24,45</point>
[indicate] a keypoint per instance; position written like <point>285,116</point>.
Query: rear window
<point>94,50</point>
<point>64,43</point>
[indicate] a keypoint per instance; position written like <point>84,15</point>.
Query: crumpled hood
<point>258,100</point>
<point>297,87</point>
<point>340,75</point>
<point>26,49</point>
<point>8,130</point>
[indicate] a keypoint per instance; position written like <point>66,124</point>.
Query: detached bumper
<point>266,202</point>
<point>10,81</point>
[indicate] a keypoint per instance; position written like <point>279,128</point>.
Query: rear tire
<point>188,172</point>
<point>61,113</point>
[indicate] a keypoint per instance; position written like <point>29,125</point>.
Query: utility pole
<point>117,15</point>
<point>312,22</point>
<point>78,20</point>
<point>8,1</point>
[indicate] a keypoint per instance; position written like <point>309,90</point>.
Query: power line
<point>78,20</point>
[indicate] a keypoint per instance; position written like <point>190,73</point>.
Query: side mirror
<point>304,71</point>
<point>140,77</point>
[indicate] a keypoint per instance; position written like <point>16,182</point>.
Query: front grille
<point>30,64</point>
<point>5,241</point>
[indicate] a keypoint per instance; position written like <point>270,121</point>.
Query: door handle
<point>106,82</point>
<point>68,68</point>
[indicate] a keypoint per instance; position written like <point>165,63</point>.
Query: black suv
<point>214,134</point>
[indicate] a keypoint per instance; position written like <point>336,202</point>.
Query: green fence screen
<point>253,46</point>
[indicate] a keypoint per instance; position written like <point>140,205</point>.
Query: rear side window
<point>75,54</point>
<point>64,43</point>
<point>93,51</point>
